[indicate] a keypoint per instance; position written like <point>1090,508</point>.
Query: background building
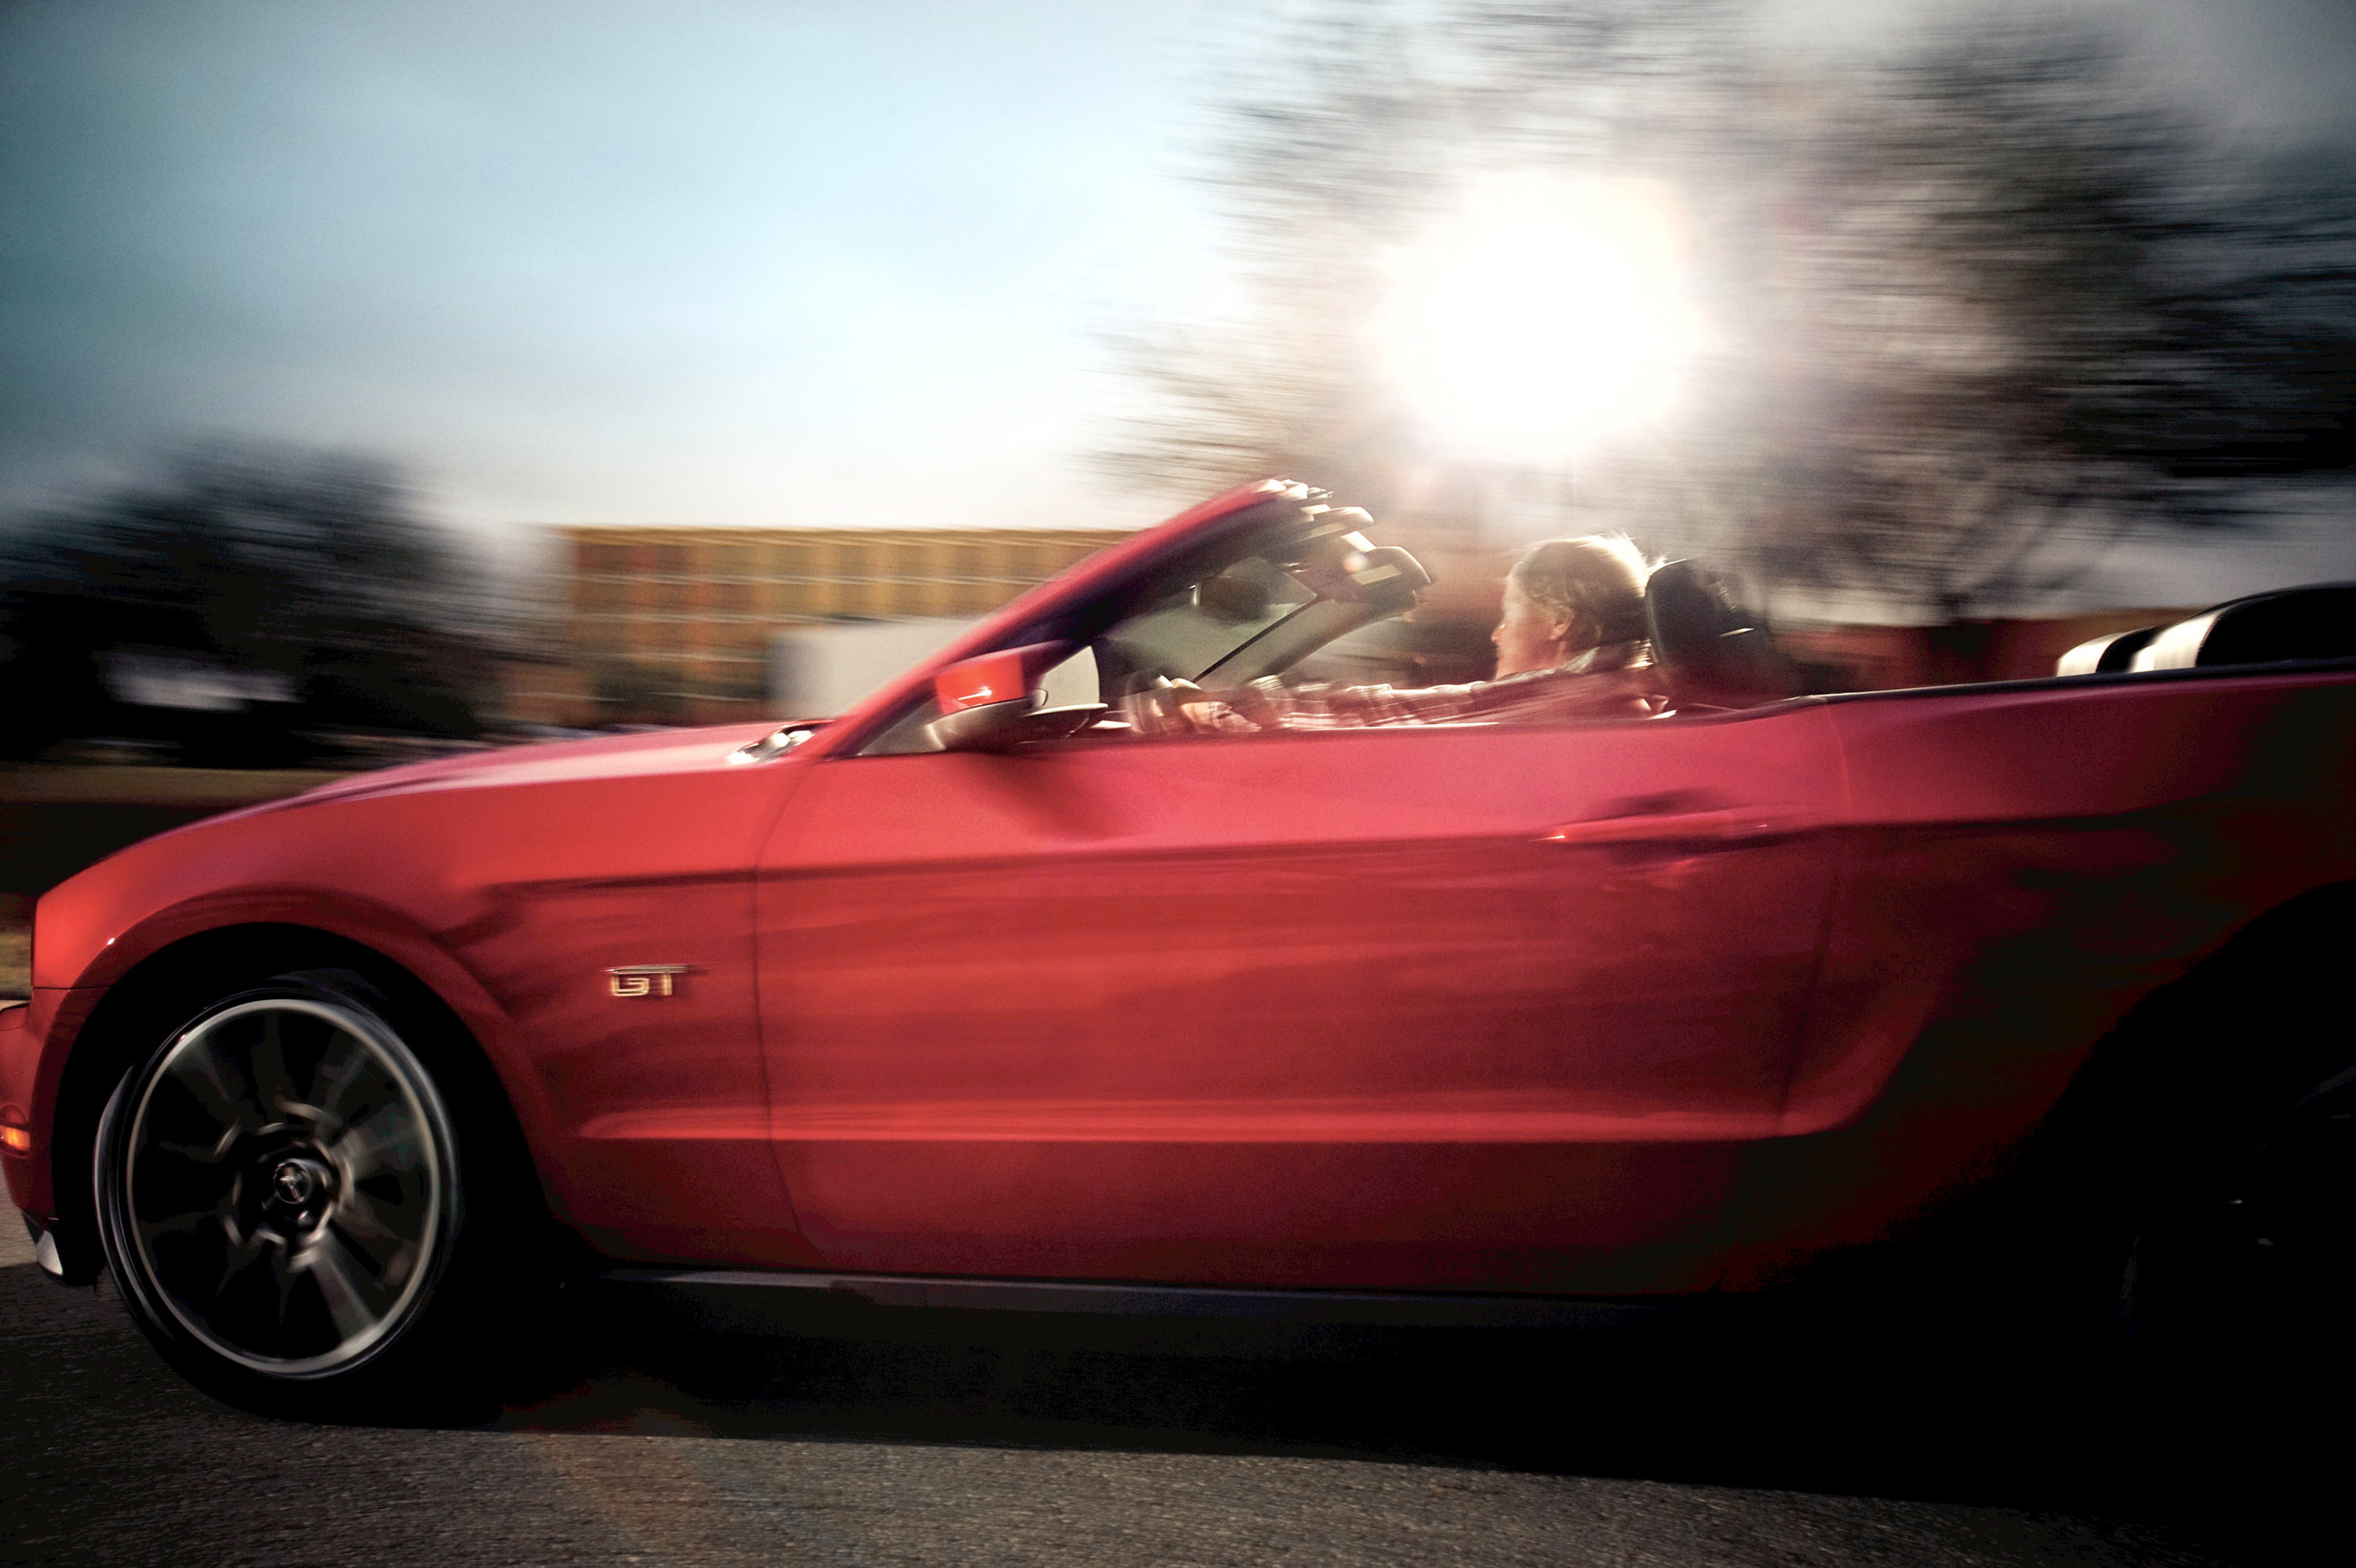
<point>681,625</point>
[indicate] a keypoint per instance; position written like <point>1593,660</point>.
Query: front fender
<point>36,1054</point>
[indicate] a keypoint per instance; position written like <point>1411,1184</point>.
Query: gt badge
<point>643,979</point>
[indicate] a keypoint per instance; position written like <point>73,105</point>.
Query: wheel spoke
<point>197,1154</point>
<point>246,1250</point>
<point>365,1223</point>
<point>196,1222</point>
<point>200,1075</point>
<point>382,1140</point>
<point>165,1186</point>
<point>340,1071</point>
<point>220,1204</point>
<point>272,1083</point>
<point>329,1265</point>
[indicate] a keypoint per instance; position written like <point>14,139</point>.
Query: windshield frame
<point>1301,525</point>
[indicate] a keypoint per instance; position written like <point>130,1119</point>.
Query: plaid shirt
<point>1614,681</point>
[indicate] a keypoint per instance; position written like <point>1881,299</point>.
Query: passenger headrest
<point>1713,652</point>
<point>2295,623</point>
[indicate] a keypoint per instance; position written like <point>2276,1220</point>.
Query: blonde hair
<point>1597,580</point>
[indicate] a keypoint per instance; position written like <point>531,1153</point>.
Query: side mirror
<point>991,702</point>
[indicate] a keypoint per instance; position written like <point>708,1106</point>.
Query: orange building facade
<point>675,624</point>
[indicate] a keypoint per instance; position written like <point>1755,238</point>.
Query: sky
<point>710,262</point>
<point>690,262</point>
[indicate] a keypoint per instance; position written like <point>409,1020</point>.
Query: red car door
<point>1478,1008</point>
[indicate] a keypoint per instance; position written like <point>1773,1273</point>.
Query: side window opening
<point>1305,623</point>
<point>1188,627</point>
<point>1297,620</point>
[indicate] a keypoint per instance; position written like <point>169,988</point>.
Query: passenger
<point>1572,644</point>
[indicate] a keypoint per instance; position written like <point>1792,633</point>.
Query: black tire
<point>2242,1284</point>
<point>298,1206</point>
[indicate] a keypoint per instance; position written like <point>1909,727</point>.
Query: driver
<point>1571,645</point>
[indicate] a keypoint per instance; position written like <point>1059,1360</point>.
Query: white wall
<point>818,671</point>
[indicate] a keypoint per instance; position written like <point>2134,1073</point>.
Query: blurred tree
<point>1337,152</point>
<point>2024,315</point>
<point>313,568</point>
<point>1975,313</point>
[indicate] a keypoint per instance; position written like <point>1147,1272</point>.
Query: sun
<point>1544,313</point>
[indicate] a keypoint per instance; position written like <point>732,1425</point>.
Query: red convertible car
<point>981,993</point>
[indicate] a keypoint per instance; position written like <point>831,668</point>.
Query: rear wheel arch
<point>2205,1116</point>
<point>2204,1057</point>
<point>2171,1094</point>
<point>2187,1077</point>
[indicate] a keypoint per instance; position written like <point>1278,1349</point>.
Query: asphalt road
<point>959,1443</point>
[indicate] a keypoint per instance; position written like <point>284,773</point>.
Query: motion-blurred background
<point>390,377</point>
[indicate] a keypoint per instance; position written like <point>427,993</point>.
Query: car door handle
<point>1734,825</point>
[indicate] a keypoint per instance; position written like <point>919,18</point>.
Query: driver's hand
<point>1183,707</point>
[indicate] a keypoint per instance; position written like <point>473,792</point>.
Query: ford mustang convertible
<point>990,992</point>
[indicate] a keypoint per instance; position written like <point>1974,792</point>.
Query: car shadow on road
<point>1851,1408</point>
<point>1739,1412</point>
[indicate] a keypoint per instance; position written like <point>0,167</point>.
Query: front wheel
<point>283,1197</point>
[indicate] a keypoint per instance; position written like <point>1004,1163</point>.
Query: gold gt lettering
<point>643,979</point>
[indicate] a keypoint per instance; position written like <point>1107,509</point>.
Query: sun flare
<point>1545,313</point>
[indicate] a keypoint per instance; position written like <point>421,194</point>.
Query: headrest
<point>2315,623</point>
<point>2107,654</point>
<point>1712,651</point>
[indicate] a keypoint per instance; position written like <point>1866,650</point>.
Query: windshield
<point>1190,630</point>
<point>1252,604</point>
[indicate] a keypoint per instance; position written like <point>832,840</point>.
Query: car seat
<point>2290,625</point>
<point>1712,653</point>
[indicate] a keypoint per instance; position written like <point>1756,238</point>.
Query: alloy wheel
<point>286,1179</point>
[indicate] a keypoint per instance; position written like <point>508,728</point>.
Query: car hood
<point>466,824</point>
<point>699,750</point>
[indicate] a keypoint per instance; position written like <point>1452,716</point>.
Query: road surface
<point>954,1443</point>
